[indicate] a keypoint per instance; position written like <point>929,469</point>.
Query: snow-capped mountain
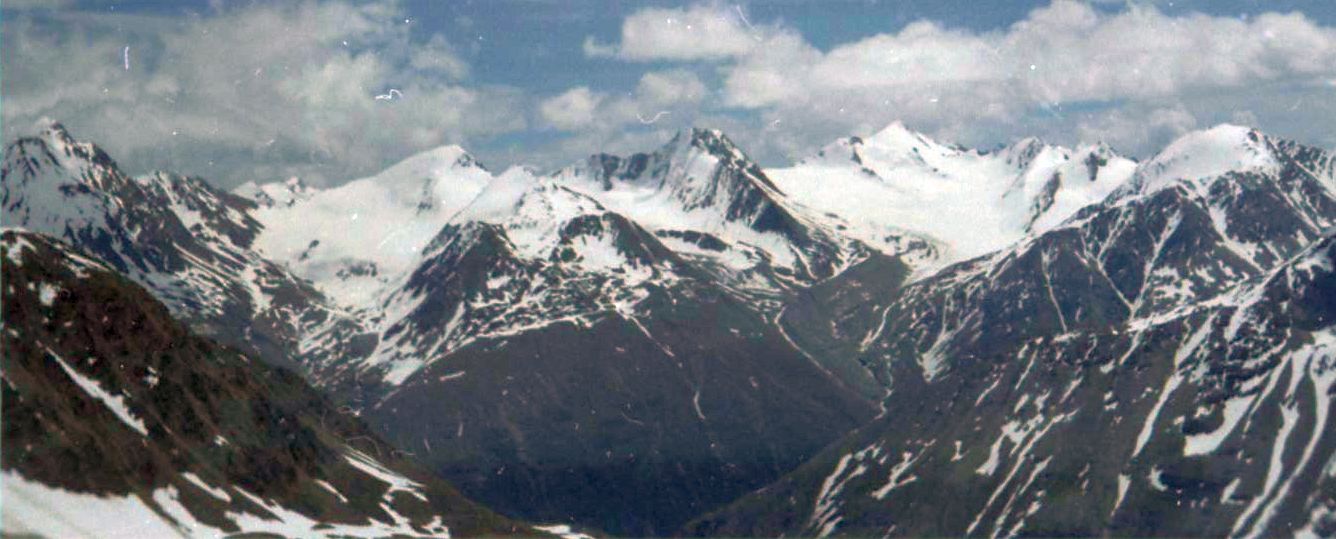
<point>353,239</point>
<point>525,259</point>
<point>706,199</point>
<point>1161,362</point>
<point>120,422</point>
<point>898,183</point>
<point>536,292</point>
<point>189,243</point>
<point>525,254</point>
<point>580,244</point>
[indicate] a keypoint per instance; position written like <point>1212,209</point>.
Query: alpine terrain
<point>1161,362</point>
<point>893,336</point>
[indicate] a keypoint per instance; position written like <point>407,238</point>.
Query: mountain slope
<point>1161,363</point>
<point>632,422</point>
<point>634,341</point>
<point>571,350</point>
<point>120,422</point>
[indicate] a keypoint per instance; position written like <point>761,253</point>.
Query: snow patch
<point>117,404</point>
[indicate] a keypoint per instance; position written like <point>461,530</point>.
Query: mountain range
<point>894,336</point>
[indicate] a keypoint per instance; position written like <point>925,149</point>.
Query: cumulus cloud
<point>700,32</point>
<point>1139,129</point>
<point>1137,66</point>
<point>572,109</point>
<point>661,98</point>
<point>1065,52</point>
<point>258,92</point>
<point>665,88</point>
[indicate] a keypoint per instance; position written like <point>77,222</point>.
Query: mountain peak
<point>705,135</point>
<point>433,162</point>
<point>50,128</point>
<point>1204,154</point>
<point>712,141</point>
<point>900,136</point>
<point>1023,152</point>
<point>52,153</point>
<point>1224,134</point>
<point>58,138</point>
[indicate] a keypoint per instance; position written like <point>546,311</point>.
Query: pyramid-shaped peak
<point>897,134</point>
<point>430,163</point>
<point>711,141</point>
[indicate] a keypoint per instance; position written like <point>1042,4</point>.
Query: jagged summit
<point>701,185</point>
<point>190,243</point>
<point>52,131</point>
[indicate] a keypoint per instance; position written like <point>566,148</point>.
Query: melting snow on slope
<point>1207,442</point>
<point>46,293</point>
<point>212,491</point>
<point>33,508</point>
<point>564,531</point>
<point>115,403</point>
<point>397,483</point>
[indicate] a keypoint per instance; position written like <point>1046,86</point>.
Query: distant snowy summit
<point>966,202</point>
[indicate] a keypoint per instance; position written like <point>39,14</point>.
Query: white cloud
<point>437,56</point>
<point>572,109</point>
<point>1065,52</point>
<point>663,99</point>
<point>1138,130</point>
<point>1136,66</point>
<point>258,90</point>
<point>663,88</point>
<point>593,49</point>
<point>700,32</point>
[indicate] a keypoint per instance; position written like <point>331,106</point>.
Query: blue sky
<point>236,91</point>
